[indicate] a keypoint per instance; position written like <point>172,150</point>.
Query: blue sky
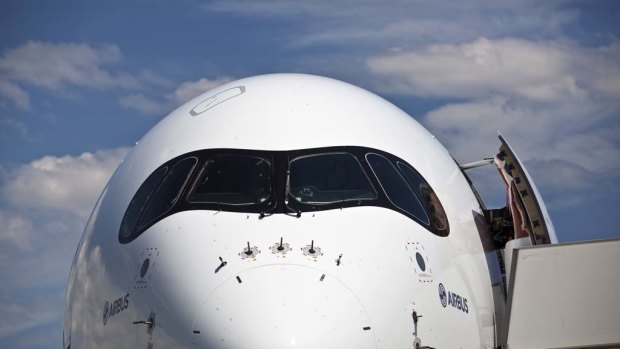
<point>82,81</point>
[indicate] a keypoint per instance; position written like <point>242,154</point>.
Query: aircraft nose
<point>284,306</point>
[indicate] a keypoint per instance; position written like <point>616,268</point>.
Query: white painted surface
<point>509,250</point>
<point>378,270</point>
<point>566,295</point>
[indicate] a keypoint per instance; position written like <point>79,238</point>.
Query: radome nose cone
<point>284,306</point>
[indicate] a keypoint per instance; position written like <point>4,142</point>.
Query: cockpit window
<point>268,182</point>
<point>233,180</point>
<point>395,187</point>
<point>436,213</point>
<point>130,220</point>
<point>168,191</point>
<point>328,178</point>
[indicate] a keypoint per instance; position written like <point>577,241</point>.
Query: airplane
<point>298,211</point>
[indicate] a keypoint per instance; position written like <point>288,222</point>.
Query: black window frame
<point>431,212</point>
<point>292,198</point>
<point>127,235</point>
<point>280,200</point>
<point>141,226</point>
<point>406,183</point>
<point>203,168</point>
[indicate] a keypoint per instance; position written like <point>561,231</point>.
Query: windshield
<point>395,187</point>
<point>268,182</point>
<point>233,180</point>
<point>130,221</point>
<point>328,178</point>
<point>168,191</point>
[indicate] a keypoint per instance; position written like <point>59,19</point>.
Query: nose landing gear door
<point>528,210</point>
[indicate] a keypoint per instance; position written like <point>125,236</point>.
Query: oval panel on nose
<point>283,306</point>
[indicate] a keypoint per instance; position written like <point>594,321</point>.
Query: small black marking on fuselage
<point>196,332</point>
<point>239,279</point>
<point>322,277</point>
<point>367,328</point>
<point>420,260</point>
<point>144,268</point>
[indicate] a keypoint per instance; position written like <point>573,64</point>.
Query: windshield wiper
<point>293,213</point>
<point>268,212</point>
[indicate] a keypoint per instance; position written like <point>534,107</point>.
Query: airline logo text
<point>115,307</point>
<point>450,298</point>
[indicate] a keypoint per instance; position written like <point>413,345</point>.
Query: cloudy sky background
<point>81,82</point>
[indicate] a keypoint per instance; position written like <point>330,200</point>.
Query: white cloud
<point>183,93</point>
<point>58,66</point>
<point>43,209</point>
<point>555,101</point>
<point>564,174</point>
<point>50,238</point>
<point>606,63</point>
<point>373,23</point>
<point>52,65</point>
<point>380,9</point>
<point>15,318</point>
<point>34,276</point>
<point>191,89</point>
<point>143,104</point>
<point>277,7</point>
<point>66,184</point>
<point>566,202</point>
<point>536,70</point>
<point>571,144</point>
<point>155,79</point>
<point>15,230</point>
<point>19,97</point>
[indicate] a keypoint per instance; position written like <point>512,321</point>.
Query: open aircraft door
<point>558,295</point>
<point>524,221</point>
<point>528,211</point>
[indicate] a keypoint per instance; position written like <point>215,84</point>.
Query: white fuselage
<point>359,291</point>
